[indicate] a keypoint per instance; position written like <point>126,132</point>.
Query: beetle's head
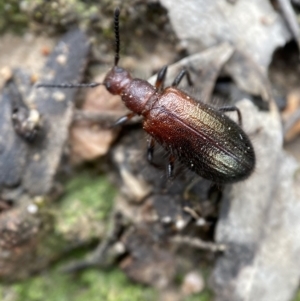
<point>116,80</point>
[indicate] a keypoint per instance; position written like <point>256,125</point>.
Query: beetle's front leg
<point>122,120</point>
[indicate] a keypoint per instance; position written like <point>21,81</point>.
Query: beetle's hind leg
<point>171,166</point>
<point>180,76</point>
<point>150,150</point>
<point>233,109</point>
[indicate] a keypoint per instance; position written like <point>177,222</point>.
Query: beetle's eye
<point>107,85</point>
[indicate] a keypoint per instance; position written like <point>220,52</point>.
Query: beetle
<point>202,137</point>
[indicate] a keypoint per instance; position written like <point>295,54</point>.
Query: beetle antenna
<point>89,85</point>
<point>117,36</point>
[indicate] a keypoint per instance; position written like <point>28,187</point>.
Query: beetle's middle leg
<point>233,109</point>
<point>150,152</point>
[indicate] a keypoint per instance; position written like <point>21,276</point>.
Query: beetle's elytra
<point>203,138</point>
<point>207,142</point>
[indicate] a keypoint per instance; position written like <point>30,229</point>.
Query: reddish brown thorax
<point>136,94</point>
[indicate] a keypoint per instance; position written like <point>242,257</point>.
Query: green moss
<point>297,297</point>
<point>92,190</point>
<point>90,285</point>
<point>204,296</point>
<point>11,17</point>
<point>85,206</point>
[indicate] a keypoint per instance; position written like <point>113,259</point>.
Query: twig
<point>291,122</point>
<point>290,18</point>
<point>198,243</point>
